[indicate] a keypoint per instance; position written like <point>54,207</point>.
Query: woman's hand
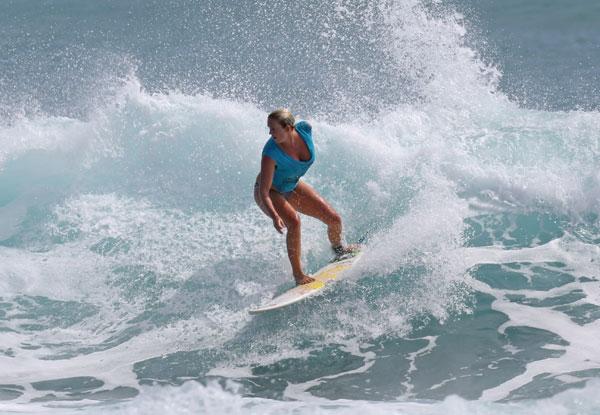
<point>278,224</point>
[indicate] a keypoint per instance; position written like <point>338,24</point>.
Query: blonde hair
<point>283,116</point>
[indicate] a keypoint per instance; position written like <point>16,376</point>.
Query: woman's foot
<point>303,279</point>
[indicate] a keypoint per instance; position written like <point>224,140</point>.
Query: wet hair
<point>283,116</point>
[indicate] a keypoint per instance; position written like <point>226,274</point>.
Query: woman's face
<point>279,133</point>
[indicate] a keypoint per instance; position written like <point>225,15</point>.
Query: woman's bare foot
<point>303,279</point>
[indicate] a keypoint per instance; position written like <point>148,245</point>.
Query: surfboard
<point>330,273</point>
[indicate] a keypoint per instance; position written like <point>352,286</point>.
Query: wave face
<point>131,248</point>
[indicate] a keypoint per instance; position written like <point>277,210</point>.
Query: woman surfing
<point>278,191</point>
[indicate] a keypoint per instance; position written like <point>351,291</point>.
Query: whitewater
<point>131,249</point>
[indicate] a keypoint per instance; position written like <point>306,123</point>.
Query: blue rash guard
<point>287,170</point>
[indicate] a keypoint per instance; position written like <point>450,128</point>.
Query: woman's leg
<point>307,201</point>
<point>293,235</point>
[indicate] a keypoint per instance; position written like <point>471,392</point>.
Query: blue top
<point>287,170</point>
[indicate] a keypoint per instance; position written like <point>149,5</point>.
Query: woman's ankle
<point>338,249</point>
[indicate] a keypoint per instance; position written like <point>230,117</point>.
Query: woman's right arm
<point>267,170</point>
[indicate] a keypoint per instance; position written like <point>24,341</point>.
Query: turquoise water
<point>462,138</point>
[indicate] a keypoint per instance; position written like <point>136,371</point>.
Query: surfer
<point>280,194</point>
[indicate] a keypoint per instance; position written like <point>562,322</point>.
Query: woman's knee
<point>292,221</point>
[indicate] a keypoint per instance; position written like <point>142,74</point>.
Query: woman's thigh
<point>258,199</point>
<point>307,201</point>
<point>283,208</point>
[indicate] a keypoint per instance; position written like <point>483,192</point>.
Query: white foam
<point>581,351</point>
<point>193,398</point>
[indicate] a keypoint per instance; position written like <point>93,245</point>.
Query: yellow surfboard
<point>323,277</point>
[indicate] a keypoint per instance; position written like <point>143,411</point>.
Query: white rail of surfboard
<point>328,274</point>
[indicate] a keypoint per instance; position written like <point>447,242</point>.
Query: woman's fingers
<point>279,225</point>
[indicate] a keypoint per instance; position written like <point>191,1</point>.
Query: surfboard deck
<point>323,277</point>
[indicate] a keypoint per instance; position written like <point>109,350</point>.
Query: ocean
<point>459,139</point>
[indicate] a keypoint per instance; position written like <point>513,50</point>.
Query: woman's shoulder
<point>269,147</point>
<point>304,126</point>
